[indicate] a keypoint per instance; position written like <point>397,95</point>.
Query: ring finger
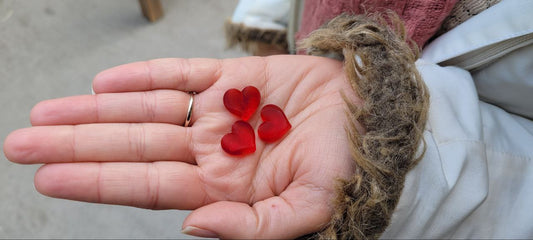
<point>159,106</point>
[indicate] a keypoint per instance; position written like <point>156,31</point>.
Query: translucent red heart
<point>275,124</point>
<point>241,140</point>
<point>242,104</point>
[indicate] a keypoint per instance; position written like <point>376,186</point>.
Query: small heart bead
<point>241,140</point>
<point>242,104</point>
<point>275,124</point>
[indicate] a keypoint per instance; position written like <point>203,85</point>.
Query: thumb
<point>272,218</point>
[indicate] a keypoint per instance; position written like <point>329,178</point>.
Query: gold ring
<point>189,110</point>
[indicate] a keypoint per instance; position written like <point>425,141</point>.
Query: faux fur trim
<point>251,38</point>
<point>380,66</point>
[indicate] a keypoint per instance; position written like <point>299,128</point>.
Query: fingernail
<point>199,232</point>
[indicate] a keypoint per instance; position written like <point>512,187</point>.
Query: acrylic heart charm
<point>275,124</point>
<point>242,104</point>
<point>241,140</point>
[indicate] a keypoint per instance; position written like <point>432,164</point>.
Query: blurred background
<point>54,48</point>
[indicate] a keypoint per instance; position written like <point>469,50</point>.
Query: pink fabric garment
<point>422,17</point>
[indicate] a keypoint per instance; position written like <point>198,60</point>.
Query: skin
<point>127,145</point>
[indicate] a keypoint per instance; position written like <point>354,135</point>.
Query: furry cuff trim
<point>380,66</point>
<point>252,38</point>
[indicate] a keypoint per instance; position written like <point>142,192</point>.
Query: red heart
<point>275,123</point>
<point>241,140</point>
<point>243,104</point>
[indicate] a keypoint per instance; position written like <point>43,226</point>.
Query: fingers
<point>290,215</point>
<point>162,106</point>
<point>158,185</point>
<point>170,73</point>
<point>100,142</point>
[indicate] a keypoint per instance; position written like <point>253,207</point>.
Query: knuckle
<point>152,186</point>
<point>149,105</point>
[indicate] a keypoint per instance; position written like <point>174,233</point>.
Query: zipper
<point>479,58</point>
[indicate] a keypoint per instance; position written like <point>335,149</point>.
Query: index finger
<point>188,75</point>
<point>154,185</point>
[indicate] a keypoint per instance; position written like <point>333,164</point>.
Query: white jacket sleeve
<point>476,177</point>
<point>497,47</point>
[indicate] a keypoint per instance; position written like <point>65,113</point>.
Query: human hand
<point>126,144</point>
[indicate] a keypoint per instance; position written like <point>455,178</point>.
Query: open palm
<point>126,144</point>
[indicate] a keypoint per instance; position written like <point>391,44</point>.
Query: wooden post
<point>151,9</point>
